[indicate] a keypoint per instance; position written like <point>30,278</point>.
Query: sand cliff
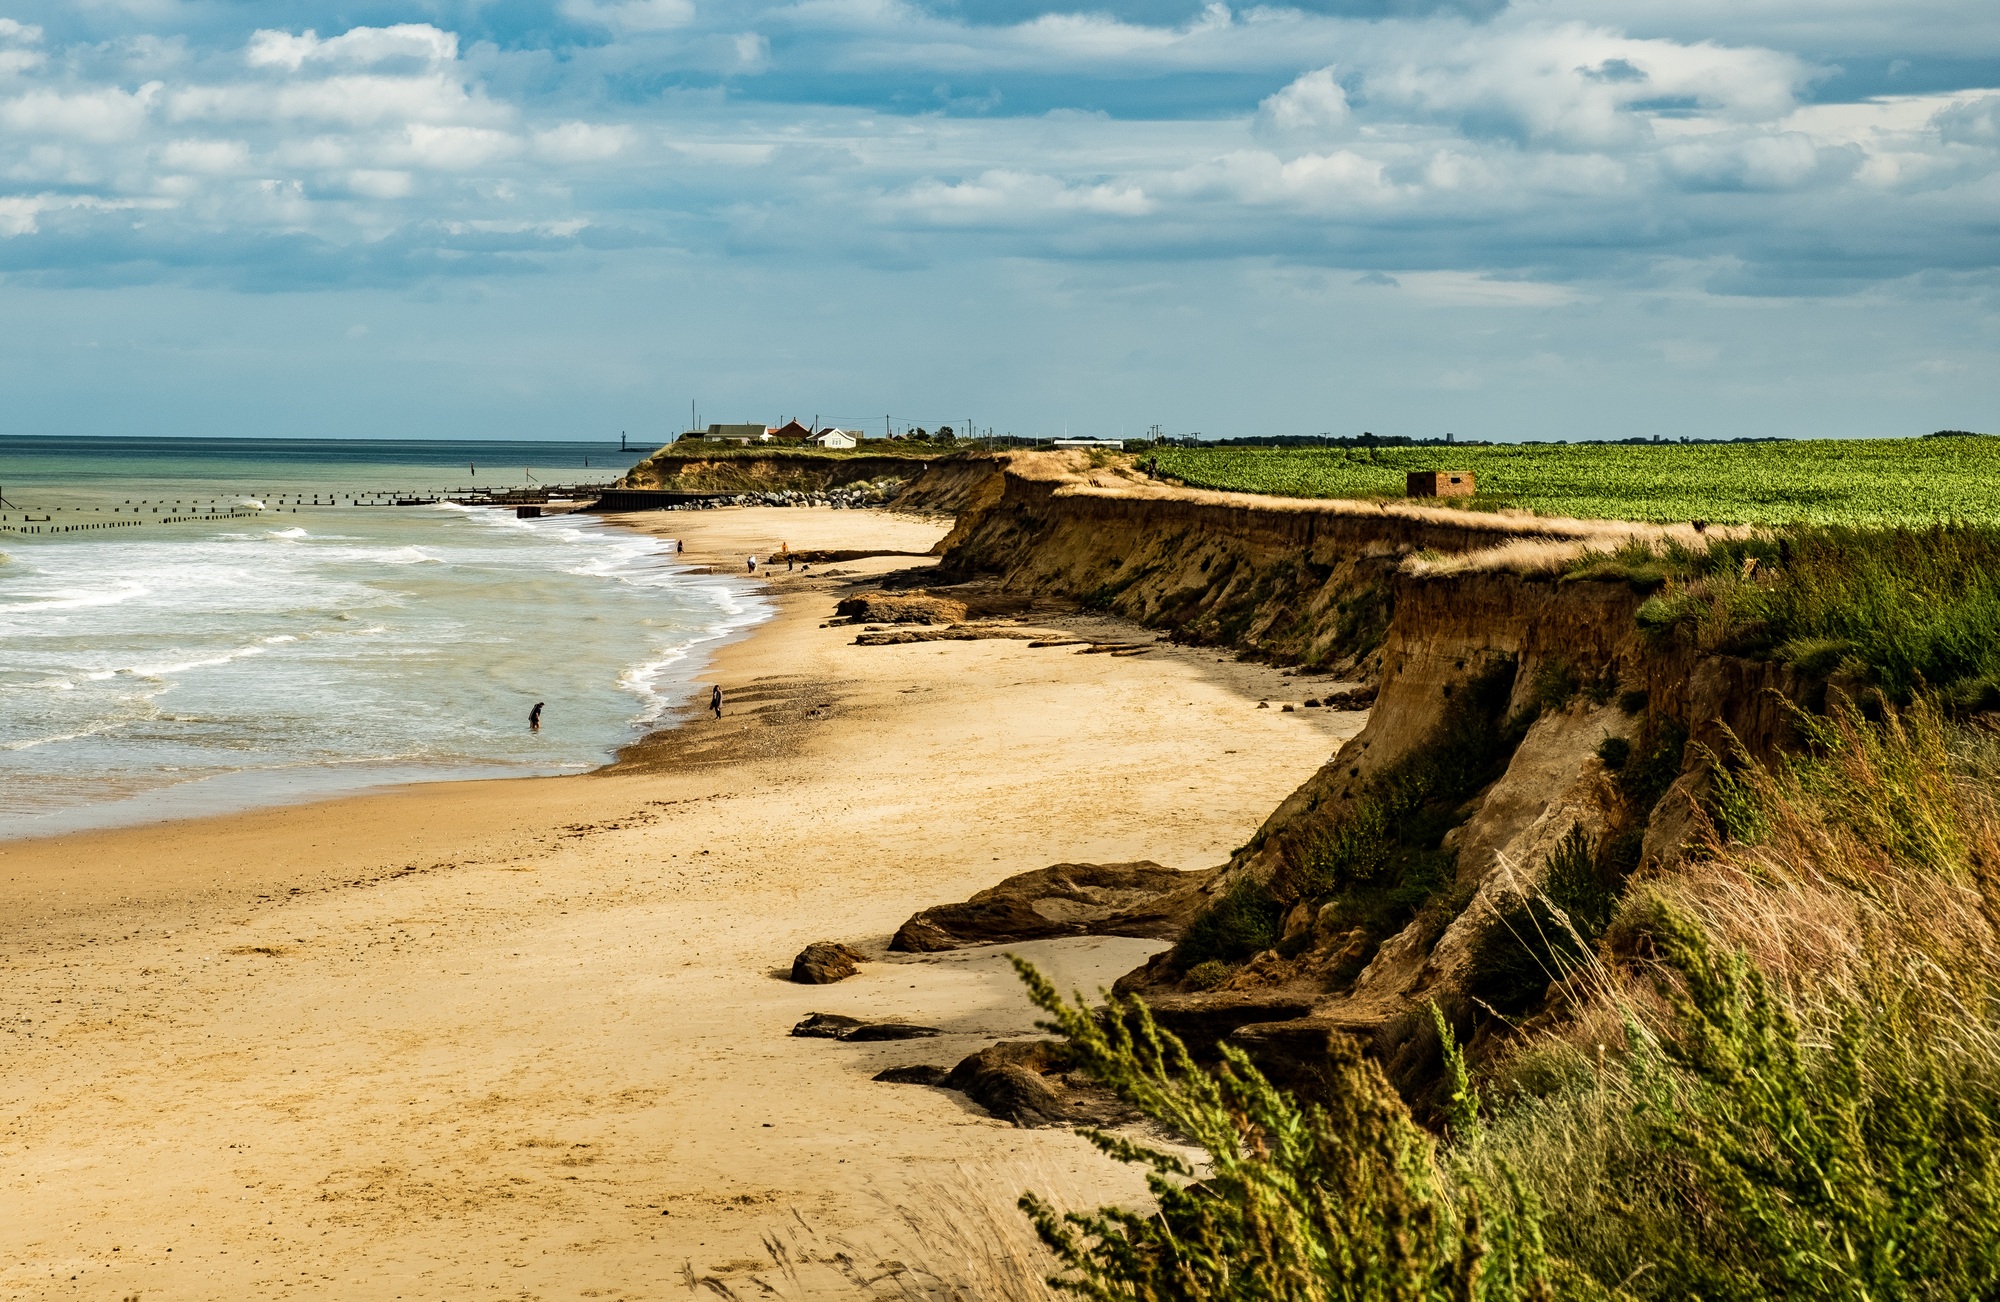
<point>1429,605</point>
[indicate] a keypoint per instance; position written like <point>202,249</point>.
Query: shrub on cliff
<point>1307,1203</point>
<point>1786,1083</point>
<point>1903,610</point>
<point>1547,933</point>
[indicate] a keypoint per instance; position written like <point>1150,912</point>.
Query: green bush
<point>1208,974</point>
<point>1644,780</point>
<point>1545,934</point>
<point>1380,863</point>
<point>1901,609</point>
<point>1243,922</point>
<point>1821,1123</point>
<point>1556,683</point>
<point>1345,1201</point>
<point>1851,1169</point>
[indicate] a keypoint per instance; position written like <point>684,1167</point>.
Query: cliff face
<point>1311,583</point>
<point>1519,718</point>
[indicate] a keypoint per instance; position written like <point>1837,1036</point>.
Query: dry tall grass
<point>958,1238</point>
<point>1786,1078</point>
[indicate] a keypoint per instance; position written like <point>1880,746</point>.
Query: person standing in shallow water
<point>535,718</point>
<point>715,700</point>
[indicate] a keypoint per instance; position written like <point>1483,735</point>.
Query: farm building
<point>1438,483</point>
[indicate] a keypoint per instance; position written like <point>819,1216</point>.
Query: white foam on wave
<point>183,666</point>
<point>362,665</point>
<point>75,598</point>
<point>738,609</point>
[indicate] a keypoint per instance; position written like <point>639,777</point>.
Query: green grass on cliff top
<point>1826,481</point>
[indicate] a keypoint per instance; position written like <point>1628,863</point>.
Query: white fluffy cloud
<point>1512,152</point>
<point>358,47</point>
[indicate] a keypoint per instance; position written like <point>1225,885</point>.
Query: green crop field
<point>1826,481</point>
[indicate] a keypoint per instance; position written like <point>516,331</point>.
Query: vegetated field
<point>1822,481</point>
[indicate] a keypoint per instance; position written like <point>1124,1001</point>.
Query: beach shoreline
<point>529,1035</point>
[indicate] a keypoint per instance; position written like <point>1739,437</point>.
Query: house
<point>789,432</point>
<point>1438,483</point>
<point>835,438</point>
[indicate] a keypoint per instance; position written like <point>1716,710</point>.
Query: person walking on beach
<point>750,563</point>
<point>535,718</point>
<point>715,700</point>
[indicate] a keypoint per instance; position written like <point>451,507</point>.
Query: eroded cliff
<point>1524,725</point>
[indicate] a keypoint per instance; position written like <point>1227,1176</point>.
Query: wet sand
<point>527,1038</point>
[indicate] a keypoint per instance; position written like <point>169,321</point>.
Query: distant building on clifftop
<point>1438,483</point>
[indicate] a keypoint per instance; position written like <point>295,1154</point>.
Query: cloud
<point>1539,147</point>
<point>1314,104</point>
<point>1002,197</point>
<point>101,116</point>
<point>216,157</point>
<point>632,15</point>
<point>583,142</point>
<point>1577,87</point>
<point>358,47</point>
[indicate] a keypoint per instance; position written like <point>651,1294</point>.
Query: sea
<point>182,634</point>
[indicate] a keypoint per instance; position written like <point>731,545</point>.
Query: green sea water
<point>248,653</point>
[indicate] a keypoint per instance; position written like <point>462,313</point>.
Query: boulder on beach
<point>1067,899</point>
<point>835,1026</point>
<point>869,1031</point>
<point>825,1026</point>
<point>1031,1083</point>
<point>824,962</point>
<point>900,608</point>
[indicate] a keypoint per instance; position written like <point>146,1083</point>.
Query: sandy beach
<point>528,1038</point>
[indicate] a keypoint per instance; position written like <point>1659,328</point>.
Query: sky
<point>1506,219</point>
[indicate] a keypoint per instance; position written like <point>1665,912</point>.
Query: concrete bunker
<point>1438,483</point>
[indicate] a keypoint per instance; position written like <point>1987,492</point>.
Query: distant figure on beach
<point>751,563</point>
<point>535,717</point>
<point>715,700</point>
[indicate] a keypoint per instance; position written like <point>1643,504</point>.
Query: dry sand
<point>528,1038</point>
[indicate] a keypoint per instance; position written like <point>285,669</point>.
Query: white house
<point>834,438</point>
